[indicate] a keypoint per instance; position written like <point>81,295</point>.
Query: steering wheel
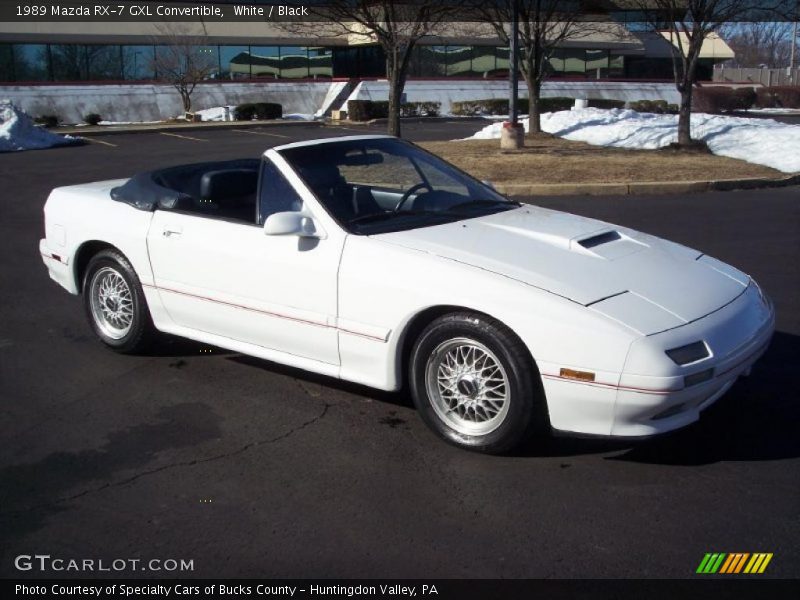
<point>409,192</point>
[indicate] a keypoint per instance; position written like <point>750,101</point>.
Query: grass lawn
<point>555,160</point>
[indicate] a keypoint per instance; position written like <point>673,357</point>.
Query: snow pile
<point>217,113</point>
<point>110,123</point>
<point>300,117</point>
<point>18,132</point>
<point>759,141</point>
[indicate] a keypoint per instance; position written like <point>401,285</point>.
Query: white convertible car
<point>368,259</point>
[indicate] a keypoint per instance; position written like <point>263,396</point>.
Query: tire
<point>474,383</point>
<point>115,304</point>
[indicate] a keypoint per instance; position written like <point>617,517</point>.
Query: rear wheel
<point>115,303</point>
<point>474,383</point>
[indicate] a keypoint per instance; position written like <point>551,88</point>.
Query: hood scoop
<point>609,244</point>
<point>600,239</point>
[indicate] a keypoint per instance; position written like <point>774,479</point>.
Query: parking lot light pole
<point>512,135</point>
<point>514,60</point>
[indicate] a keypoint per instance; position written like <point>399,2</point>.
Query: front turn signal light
<point>579,375</point>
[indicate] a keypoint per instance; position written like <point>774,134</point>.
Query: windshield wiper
<point>382,216</point>
<point>484,203</point>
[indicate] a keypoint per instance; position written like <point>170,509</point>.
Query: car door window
<point>276,193</point>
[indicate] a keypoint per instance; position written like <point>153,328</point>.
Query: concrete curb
<point>644,187</point>
<point>158,127</point>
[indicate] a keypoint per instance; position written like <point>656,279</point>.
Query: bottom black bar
<point>717,588</point>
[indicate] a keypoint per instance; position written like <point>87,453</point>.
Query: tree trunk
<point>685,116</point>
<point>395,94</point>
<point>534,111</point>
<point>186,98</point>
<point>396,83</point>
<point>686,88</point>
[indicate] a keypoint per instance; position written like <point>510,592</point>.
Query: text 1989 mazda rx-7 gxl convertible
<point>369,259</point>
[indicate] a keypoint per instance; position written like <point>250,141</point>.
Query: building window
<point>502,62</point>
<point>264,61</point>
<point>484,61</point>
<point>103,62</point>
<point>459,61</point>
<point>7,62</point>
<point>31,62</point>
<point>234,62</point>
<point>137,63</point>
<point>616,66</point>
<point>596,64</point>
<point>293,62</point>
<point>320,62</point>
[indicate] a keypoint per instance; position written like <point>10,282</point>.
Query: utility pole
<point>512,136</point>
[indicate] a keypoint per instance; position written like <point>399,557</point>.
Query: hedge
<point>365,110</point>
<point>722,99</point>
<point>652,106</point>
<point>499,106</point>
<point>779,96</point>
<point>258,110</point>
<point>605,103</point>
<point>420,109</point>
<point>92,119</point>
<point>47,120</point>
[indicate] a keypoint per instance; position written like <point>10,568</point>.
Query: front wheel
<point>473,383</point>
<point>115,303</point>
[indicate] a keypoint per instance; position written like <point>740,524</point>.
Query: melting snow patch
<point>18,132</point>
<point>759,141</point>
<point>217,113</point>
<point>300,117</point>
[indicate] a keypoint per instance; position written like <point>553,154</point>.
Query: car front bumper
<point>654,397</point>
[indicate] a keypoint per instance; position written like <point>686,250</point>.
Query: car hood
<point>647,283</point>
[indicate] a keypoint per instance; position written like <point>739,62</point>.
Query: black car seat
<point>229,193</point>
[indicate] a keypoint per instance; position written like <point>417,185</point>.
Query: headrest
<point>228,183</point>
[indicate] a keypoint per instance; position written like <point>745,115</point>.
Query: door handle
<point>169,231</point>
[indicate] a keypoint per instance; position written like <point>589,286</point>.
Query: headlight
<point>689,353</point>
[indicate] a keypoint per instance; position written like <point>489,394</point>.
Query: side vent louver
<point>599,239</point>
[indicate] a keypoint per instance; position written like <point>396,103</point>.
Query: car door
<point>230,279</point>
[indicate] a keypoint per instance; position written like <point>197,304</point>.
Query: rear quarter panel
<point>77,215</point>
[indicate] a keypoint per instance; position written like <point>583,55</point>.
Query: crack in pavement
<point>189,463</point>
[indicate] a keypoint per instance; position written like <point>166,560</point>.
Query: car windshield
<point>379,185</point>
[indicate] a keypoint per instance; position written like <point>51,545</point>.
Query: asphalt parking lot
<point>251,469</point>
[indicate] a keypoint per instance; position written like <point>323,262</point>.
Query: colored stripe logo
<point>734,563</point>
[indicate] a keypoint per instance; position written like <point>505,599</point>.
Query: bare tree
<point>544,25</point>
<point>767,43</point>
<point>396,25</point>
<point>184,58</point>
<point>687,24</point>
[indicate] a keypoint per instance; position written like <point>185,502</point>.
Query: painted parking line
<point>96,141</point>
<point>183,137</point>
<point>364,130</point>
<point>278,135</point>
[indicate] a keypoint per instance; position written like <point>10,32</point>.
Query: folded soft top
<point>167,188</point>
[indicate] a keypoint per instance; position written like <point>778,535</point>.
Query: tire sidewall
<point>141,318</point>
<point>522,412</point>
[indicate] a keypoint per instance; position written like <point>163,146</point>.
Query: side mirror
<point>290,223</point>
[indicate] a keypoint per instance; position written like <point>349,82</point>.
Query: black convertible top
<point>168,188</point>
